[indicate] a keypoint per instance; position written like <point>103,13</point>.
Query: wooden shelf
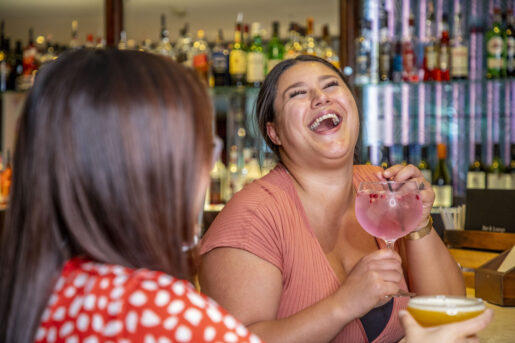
<point>494,241</point>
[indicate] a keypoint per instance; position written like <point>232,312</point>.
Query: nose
<point>319,98</point>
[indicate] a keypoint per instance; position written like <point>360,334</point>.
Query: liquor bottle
<point>5,67</point>
<point>363,53</point>
<point>442,186</point>
<point>495,49</point>
<point>368,162</point>
<point>510,170</point>
<point>385,157</point>
<point>442,72</point>
<point>405,155</point>
<point>409,72</point>
<point>238,59</point>
<point>430,49</point>
<point>246,37</point>
<point>122,43</point>
<point>50,53</point>
<point>293,46</point>
<point>183,48</point>
<point>494,178</point>
<point>397,62</point>
<point>217,184</point>
<point>235,180</point>
<point>476,175</point>
<point>459,51</point>
<point>17,68</point>
<point>310,45</point>
<point>164,47</point>
<point>6,180</point>
<point>256,58</point>
<point>30,56</point>
<point>509,36</point>
<point>74,41</point>
<point>275,49</point>
<point>385,52</point>
<point>251,170</point>
<point>326,48</point>
<point>424,166</point>
<point>201,56</point>
<point>220,62</point>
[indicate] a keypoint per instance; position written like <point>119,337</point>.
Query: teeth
<point>316,124</point>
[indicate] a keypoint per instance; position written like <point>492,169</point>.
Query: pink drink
<point>388,215</point>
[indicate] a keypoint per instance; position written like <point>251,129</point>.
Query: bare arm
<point>431,268</point>
<point>250,288</point>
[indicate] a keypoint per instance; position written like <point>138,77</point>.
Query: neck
<point>330,190</point>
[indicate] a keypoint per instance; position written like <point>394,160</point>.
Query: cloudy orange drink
<point>439,309</point>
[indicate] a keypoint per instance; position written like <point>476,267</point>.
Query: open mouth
<point>325,123</point>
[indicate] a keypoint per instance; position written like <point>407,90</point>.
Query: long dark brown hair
<point>110,150</point>
<point>265,101</point>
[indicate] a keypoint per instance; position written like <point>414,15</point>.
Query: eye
<point>331,84</point>
<point>295,93</point>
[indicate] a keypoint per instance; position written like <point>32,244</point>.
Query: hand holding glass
<point>389,210</point>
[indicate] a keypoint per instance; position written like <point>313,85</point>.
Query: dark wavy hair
<point>110,149</point>
<point>265,101</point>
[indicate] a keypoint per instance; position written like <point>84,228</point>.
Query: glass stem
<point>389,243</point>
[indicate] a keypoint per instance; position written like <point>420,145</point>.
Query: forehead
<point>304,72</point>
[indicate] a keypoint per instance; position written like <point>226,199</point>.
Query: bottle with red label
<point>442,72</point>
<point>201,54</point>
<point>430,49</point>
<point>409,72</point>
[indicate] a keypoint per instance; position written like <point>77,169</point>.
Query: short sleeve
<point>253,220</point>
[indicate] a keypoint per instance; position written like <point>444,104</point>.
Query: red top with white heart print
<point>94,302</point>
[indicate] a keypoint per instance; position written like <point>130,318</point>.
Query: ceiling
<point>142,17</point>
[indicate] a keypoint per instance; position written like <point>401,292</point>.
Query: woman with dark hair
<point>287,255</point>
<point>111,163</point>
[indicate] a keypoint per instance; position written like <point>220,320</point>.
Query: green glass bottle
<point>256,58</point>
<point>442,182</point>
<point>424,166</point>
<point>275,49</point>
<point>495,177</point>
<point>495,49</point>
<point>476,175</point>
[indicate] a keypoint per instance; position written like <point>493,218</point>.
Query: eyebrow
<point>300,83</point>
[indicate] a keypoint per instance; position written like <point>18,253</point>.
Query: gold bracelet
<point>420,233</point>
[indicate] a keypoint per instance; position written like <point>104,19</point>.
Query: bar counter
<point>502,327</point>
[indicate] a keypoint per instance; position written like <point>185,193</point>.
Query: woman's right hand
<point>371,282</point>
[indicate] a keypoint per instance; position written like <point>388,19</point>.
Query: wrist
<point>421,231</point>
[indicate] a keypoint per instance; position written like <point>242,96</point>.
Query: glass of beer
<point>441,309</point>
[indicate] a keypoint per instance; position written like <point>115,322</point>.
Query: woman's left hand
<point>399,172</point>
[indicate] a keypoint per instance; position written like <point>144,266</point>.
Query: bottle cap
<point>441,151</point>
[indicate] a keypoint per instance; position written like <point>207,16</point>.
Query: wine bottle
<point>476,175</point>
<point>385,157</point>
<point>442,71</point>
<point>405,155</point>
<point>442,183</point>
<point>385,52</point>
<point>238,59</point>
<point>275,49</point>
<point>510,170</point>
<point>368,162</point>
<point>164,47</point>
<point>256,58</point>
<point>220,62</point>
<point>201,56</point>
<point>217,184</point>
<point>496,170</point>
<point>459,51</point>
<point>495,49</point>
<point>424,166</point>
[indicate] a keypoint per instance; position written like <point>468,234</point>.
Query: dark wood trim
<point>114,21</point>
<point>349,30</point>
<point>495,241</point>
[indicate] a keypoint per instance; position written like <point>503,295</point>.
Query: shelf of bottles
<point>439,91</point>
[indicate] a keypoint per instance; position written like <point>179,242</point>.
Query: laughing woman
<point>287,255</point>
